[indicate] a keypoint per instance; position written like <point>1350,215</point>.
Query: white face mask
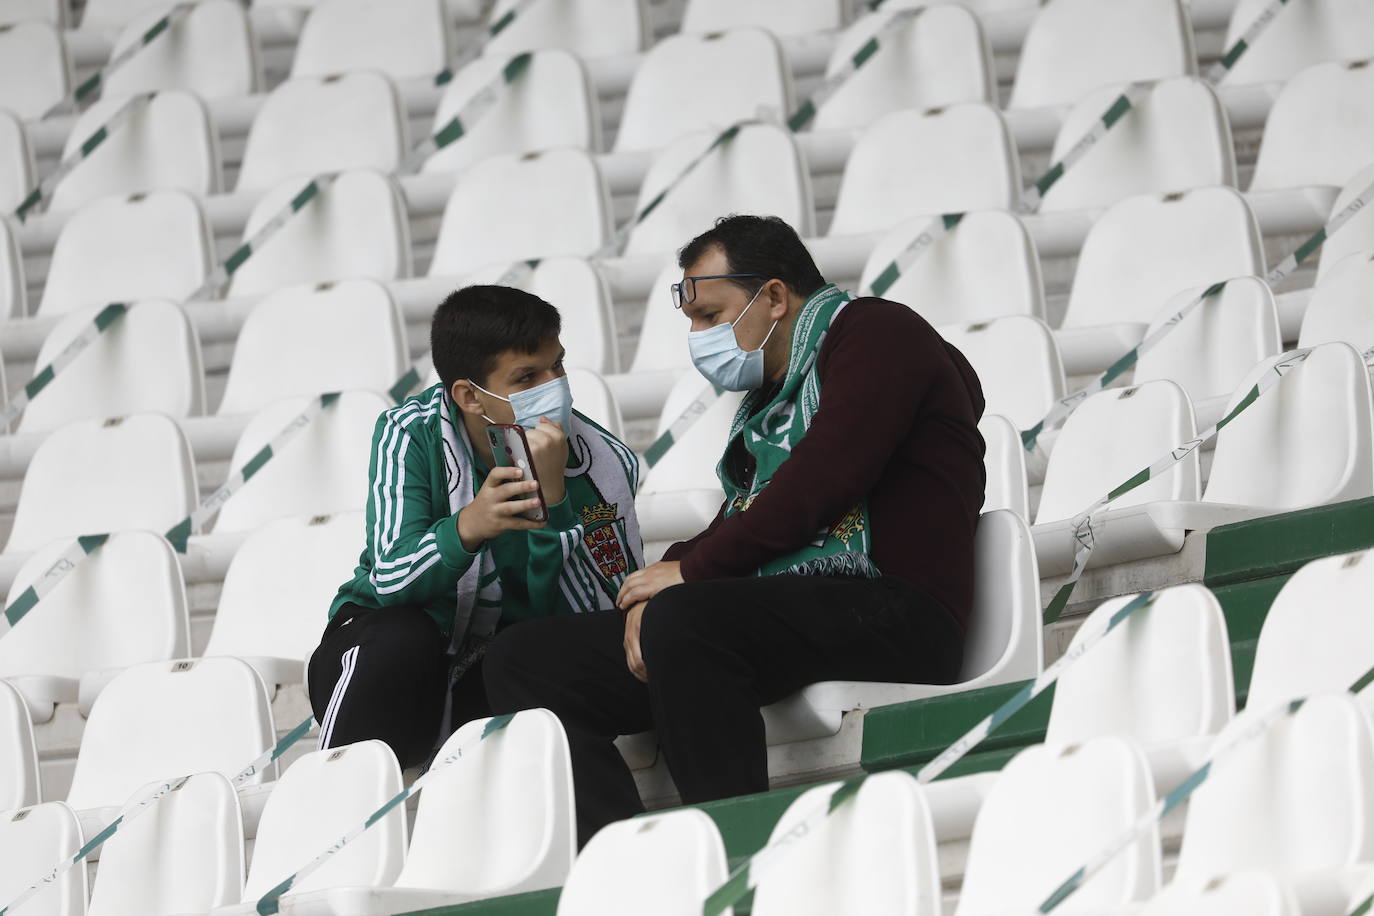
<point>718,356</point>
<point>553,399</point>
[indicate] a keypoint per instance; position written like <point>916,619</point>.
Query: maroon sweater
<point>897,426</point>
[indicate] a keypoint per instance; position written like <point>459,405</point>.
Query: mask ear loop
<point>741,316</point>
<point>498,397</point>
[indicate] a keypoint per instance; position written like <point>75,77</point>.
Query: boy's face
<point>511,372</point>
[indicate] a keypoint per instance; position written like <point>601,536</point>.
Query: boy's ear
<point>465,396</point>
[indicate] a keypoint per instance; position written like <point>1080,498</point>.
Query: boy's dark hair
<point>477,323</point>
<point>762,245</point>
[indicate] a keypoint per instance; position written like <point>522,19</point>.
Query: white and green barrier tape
<point>472,51</point>
<point>1064,406</point>
<point>43,377</point>
<point>473,111</point>
<point>747,875</point>
<point>1263,722</point>
<point>142,805</point>
<point>678,428</point>
<point>1217,72</point>
<point>270,902</point>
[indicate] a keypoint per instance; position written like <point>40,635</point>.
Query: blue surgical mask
<point>718,356</point>
<point>553,399</point>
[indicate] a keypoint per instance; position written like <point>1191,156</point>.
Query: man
<point>844,550</point>
<point>450,558</point>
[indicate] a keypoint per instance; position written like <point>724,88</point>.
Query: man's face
<point>514,371</point>
<point>720,301</point>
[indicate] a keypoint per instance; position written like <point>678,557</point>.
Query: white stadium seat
<point>1052,807</point>
<point>1320,130</point>
<point>661,358</point>
<point>690,83</point>
<point>32,840</point>
<point>144,479</point>
<point>53,12</point>
<point>321,472</point>
<point>662,863</point>
<point>1302,34</point>
<point>12,291</point>
<point>1357,235</point>
<point>589,28</point>
<point>270,612</point>
<point>109,16</point>
<point>760,170</point>
<point>984,268</point>
<point>782,17</point>
<point>1005,464</point>
<point>18,174</point>
<point>405,39</point>
<point>1076,46</point>
<point>20,782</point>
<point>1176,138</point>
<point>210,51</point>
<point>1018,365</point>
<point>355,228</point>
<point>1339,307</point>
<point>940,57</point>
<point>924,163</point>
<point>35,72</point>
<point>553,104</point>
<point>319,798</point>
<point>593,398</point>
<point>315,124</point>
<point>148,361</point>
<point>193,716</point>
<point>563,186</point>
<point>875,854</point>
<point>184,855</point>
<point>125,605</point>
<point>1251,892</point>
<point>169,143</point>
<point>305,340</point>
<point>155,245</point>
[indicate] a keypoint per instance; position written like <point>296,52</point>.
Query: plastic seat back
<point>35,71</point>
<point>32,840</point>
<point>874,854</point>
<point>1018,365</point>
<point>153,245</point>
<point>17,170</point>
<point>1145,249</point>
<point>691,463</point>
<point>759,171</point>
<point>924,163</point>
<point>20,782</point>
<point>781,17</point>
<point>355,228</point>
<point>691,83</point>
<point>1357,235</point>
<point>564,186</point>
<point>314,124</point>
<point>53,12</point>
<point>210,51</point>
<point>593,398</point>
<point>1215,347</point>
<point>940,57</point>
<point>1162,675</point>
<point>1076,46</point>
<point>267,609</point>
<point>1109,438</point>
<point>12,287</point>
<point>1313,429</point>
<point>985,268</point>
<point>144,478</point>
<point>1321,128</point>
<point>111,15</point>
<point>1300,35</point>
<point>552,105</point>
<point>664,863</point>
<point>149,361</point>
<point>125,605</point>
<point>319,798</point>
<point>169,143</point>
<point>1176,138</point>
<point>405,39</point>
<point>1004,626</point>
<point>1297,798</point>
<point>662,340</point>
<point>166,719</point>
<point>320,472</point>
<point>1244,893</point>
<point>502,822</point>
<point>1005,463</point>
<point>1052,807</point>
<point>1339,307</point>
<point>589,28</point>
<point>194,836</point>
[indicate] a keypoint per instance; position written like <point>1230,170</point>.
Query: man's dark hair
<point>761,245</point>
<point>477,323</point>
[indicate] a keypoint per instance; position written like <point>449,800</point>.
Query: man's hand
<point>497,507</point>
<point>633,658</point>
<point>643,584</point>
<point>549,449</point>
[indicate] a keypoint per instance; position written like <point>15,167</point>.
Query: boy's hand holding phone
<point>549,448</point>
<point>497,506</point>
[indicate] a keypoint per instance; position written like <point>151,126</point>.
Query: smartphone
<point>511,449</point>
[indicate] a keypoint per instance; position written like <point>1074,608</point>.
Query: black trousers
<point>716,651</point>
<point>382,674</point>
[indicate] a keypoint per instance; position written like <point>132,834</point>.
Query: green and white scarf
<point>771,431</point>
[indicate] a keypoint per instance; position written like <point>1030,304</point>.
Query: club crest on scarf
<point>602,535</point>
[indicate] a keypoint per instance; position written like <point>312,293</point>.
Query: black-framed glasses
<point>686,291</point>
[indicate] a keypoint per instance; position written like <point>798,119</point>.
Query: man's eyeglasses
<point>686,291</point>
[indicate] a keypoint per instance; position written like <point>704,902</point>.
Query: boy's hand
<point>496,508</point>
<point>549,448</point>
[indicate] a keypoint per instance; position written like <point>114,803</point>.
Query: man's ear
<point>465,396</point>
<point>778,296</point>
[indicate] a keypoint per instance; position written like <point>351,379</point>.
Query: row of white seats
<point>1129,720</point>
